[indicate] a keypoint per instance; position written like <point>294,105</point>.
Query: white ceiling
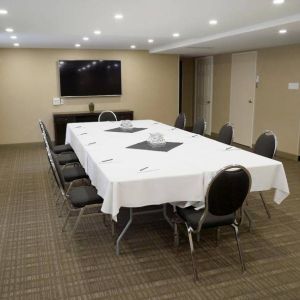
<point>243,24</point>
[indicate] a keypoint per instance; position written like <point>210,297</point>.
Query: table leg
<point>124,231</point>
<point>250,220</point>
<point>166,216</point>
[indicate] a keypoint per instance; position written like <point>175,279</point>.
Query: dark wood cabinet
<point>61,120</point>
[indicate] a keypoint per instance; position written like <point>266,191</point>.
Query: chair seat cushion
<point>84,195</point>
<point>65,158</point>
<point>72,173</point>
<point>192,217</point>
<point>62,148</point>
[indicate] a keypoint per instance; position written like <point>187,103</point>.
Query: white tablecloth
<point>180,175</point>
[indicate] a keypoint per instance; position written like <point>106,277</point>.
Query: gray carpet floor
<point>38,262</point>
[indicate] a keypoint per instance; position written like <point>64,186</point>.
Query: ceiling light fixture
<point>13,37</point>
<point>176,35</point>
<point>9,30</point>
<point>77,45</point>
<point>16,44</point>
<point>282,31</point>
<point>133,46</point>
<point>85,38</point>
<point>97,32</point>
<point>150,41</point>
<point>119,16</point>
<point>278,2</point>
<point>213,22</point>
<point>3,12</point>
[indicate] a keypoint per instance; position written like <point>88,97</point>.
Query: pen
<point>143,169</point>
<point>107,160</point>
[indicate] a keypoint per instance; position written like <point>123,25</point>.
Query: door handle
<point>207,102</point>
<point>250,100</point>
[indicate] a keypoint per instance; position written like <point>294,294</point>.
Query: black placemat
<point>119,129</point>
<point>145,146</point>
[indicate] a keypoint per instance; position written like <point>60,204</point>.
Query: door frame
<point>210,59</point>
<point>254,91</point>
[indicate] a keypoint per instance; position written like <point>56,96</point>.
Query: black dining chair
<point>226,134</point>
<point>225,196</point>
<point>199,127</point>
<point>107,115</point>
<point>58,148</point>
<point>180,121</point>
<point>266,145</point>
<point>79,196</point>
<point>63,157</point>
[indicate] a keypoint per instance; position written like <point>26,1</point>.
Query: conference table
<point>128,172</point>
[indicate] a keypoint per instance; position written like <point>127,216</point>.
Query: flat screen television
<point>83,78</point>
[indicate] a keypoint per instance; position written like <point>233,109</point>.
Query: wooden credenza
<point>61,120</point>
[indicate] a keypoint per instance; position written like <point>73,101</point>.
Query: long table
<point>126,177</point>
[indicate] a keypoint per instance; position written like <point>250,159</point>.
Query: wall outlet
<point>293,86</point>
<point>56,101</point>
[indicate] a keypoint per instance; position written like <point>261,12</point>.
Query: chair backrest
<point>226,134</point>
<point>180,121</point>
<point>266,144</point>
<point>199,127</point>
<point>57,170</point>
<point>46,135</point>
<point>226,192</point>
<point>107,115</point>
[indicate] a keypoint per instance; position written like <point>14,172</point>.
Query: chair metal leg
<point>66,221</point>
<point>77,221</point>
<point>218,236</point>
<point>265,205</point>
<point>192,252</point>
<point>250,220</point>
<point>236,231</point>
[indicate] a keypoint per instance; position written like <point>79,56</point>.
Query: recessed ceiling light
<point>77,45</point>
<point>9,30</point>
<point>213,22</point>
<point>3,12</point>
<point>16,44</point>
<point>150,41</point>
<point>85,38</point>
<point>133,46</point>
<point>176,34</point>
<point>119,16</point>
<point>278,2</point>
<point>97,32</point>
<point>282,31</point>
<point>13,37</point>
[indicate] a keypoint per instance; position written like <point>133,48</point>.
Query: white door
<point>204,90</point>
<point>242,96</point>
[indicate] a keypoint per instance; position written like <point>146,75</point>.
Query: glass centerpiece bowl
<point>156,140</point>
<point>126,125</point>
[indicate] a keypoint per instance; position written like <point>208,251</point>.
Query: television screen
<point>79,78</point>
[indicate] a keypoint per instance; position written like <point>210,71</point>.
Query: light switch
<point>56,101</point>
<point>293,86</point>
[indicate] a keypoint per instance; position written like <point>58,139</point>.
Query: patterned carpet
<point>36,262</point>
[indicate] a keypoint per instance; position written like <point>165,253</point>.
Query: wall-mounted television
<point>84,78</point>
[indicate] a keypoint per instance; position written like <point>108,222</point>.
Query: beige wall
<point>276,107</point>
<point>29,81</point>
<point>221,91</point>
<point>188,87</point>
